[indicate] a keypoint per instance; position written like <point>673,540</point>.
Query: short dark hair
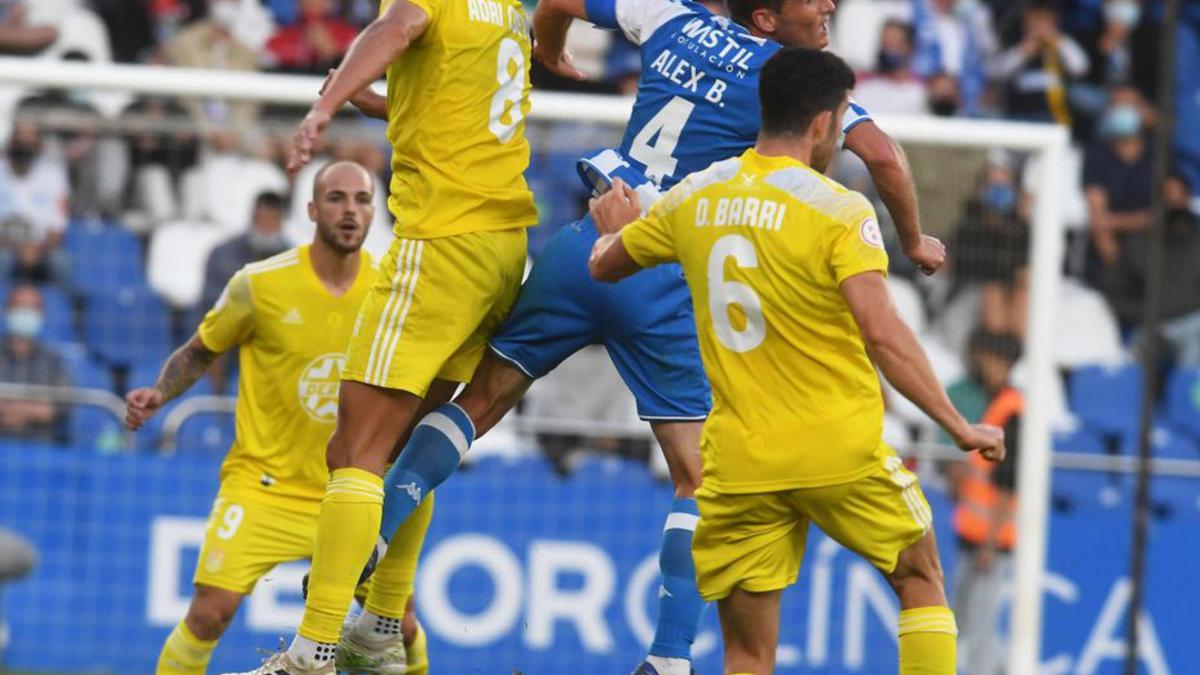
<point>1004,345</point>
<point>740,10</point>
<point>268,200</point>
<point>797,84</point>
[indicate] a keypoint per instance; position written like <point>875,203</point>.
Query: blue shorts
<point>645,322</point>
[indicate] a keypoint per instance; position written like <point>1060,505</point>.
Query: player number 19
<point>510,73</point>
<point>723,293</point>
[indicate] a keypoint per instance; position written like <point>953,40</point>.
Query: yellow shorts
<point>433,307</point>
<point>756,541</point>
<point>248,534</point>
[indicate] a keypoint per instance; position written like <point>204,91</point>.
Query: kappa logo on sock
<point>664,593</point>
<point>412,489</point>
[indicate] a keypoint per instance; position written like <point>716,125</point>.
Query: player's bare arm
<point>895,350</point>
<point>551,20</point>
<point>187,365</point>
<point>611,212</point>
<point>375,48</point>
<point>366,100</point>
<point>893,179</point>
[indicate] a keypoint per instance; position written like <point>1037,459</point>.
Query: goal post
<point>1048,143</point>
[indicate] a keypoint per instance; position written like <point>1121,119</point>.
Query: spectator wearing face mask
<point>313,43</point>
<point>37,183</point>
<point>1180,309</point>
<point>893,87</point>
<point>210,43</point>
<point>943,97</point>
<point>1038,71</point>
<point>1116,175</point>
<point>992,245</point>
<point>264,239</point>
<point>25,360</point>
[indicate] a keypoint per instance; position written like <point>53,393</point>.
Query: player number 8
<point>231,520</point>
<point>510,73</point>
<point>722,294</point>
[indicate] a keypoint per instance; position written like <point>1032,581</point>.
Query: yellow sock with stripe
<point>928,641</point>
<point>184,654</point>
<point>346,533</point>
<point>392,583</point>
<point>418,654</point>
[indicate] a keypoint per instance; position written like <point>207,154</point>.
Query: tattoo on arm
<point>185,366</point>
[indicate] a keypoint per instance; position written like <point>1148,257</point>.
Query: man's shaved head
<point>327,173</point>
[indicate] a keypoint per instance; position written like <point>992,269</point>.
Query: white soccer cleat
<point>355,655</point>
<point>280,663</point>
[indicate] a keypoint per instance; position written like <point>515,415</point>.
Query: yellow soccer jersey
<point>293,335</point>
<point>765,243</point>
<point>457,102</point>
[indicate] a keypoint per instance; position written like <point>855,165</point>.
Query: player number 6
<point>722,294</point>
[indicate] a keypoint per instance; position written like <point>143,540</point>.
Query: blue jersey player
<point>697,103</point>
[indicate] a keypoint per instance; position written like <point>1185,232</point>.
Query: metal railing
<point>175,418</point>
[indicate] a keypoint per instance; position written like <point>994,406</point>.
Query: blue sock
<point>680,608</point>
<point>432,453</point>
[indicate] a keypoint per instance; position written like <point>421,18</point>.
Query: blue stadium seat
<point>1166,443</point>
<point>95,428</point>
<point>1079,440</point>
<point>1107,398</point>
<point>206,432</point>
<point>1183,399</point>
<point>104,258</point>
<point>59,317</point>
<point>1176,498</point>
<point>127,327</point>
<point>84,372</point>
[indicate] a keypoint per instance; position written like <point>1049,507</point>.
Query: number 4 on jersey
<point>654,146</point>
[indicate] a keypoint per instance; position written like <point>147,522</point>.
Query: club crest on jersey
<point>318,387</point>
<point>869,231</point>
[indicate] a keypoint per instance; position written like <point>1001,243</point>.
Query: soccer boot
<point>280,663</point>
<point>646,669</point>
<point>355,656</point>
<point>377,553</point>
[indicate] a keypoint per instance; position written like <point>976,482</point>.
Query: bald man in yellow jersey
<point>787,273</point>
<point>457,96</point>
<point>289,316</point>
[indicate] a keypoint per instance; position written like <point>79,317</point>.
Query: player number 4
<point>505,113</point>
<point>663,130</point>
<point>723,293</point>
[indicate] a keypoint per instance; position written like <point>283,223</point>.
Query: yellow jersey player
<point>457,96</point>
<point>787,273</point>
<point>290,316</point>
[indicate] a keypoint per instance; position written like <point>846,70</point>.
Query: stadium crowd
<point>122,217</point>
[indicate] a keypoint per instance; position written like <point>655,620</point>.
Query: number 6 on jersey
<point>723,294</point>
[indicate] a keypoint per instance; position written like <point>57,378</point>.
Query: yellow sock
<point>928,641</point>
<point>418,654</point>
<point>392,583</point>
<point>346,532</point>
<point>184,653</point>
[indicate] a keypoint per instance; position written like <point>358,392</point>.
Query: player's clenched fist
<point>616,208</point>
<point>985,438</point>
<point>929,255</point>
<point>140,405</point>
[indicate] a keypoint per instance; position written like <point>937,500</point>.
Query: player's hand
<point>306,138</point>
<point>985,438</point>
<point>616,208</point>
<point>929,255</point>
<point>140,405</point>
<point>561,64</point>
